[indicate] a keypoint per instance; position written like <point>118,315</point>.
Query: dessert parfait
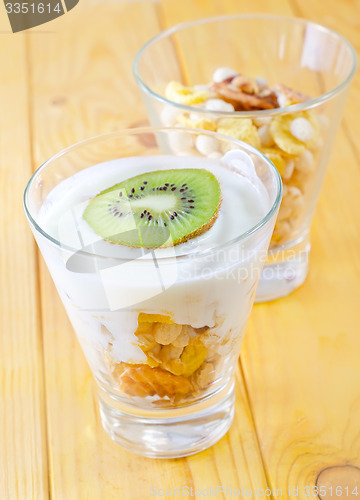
<point>274,82</point>
<point>160,314</point>
<point>157,257</point>
<point>293,141</point>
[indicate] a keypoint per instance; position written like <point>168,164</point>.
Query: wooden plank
<point>23,460</point>
<point>82,73</point>
<point>85,463</point>
<point>300,355</point>
<point>344,20</point>
<point>200,67</point>
<point>250,455</point>
<point>176,12</point>
<point>233,461</point>
<point>82,85</point>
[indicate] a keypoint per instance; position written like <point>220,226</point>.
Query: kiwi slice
<point>156,209</point>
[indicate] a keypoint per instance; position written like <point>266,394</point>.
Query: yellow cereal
<point>204,376</point>
<point>153,356</point>
<point>203,123</point>
<point>154,318</point>
<point>240,128</point>
<point>174,366</point>
<point>165,334</point>
<point>310,115</point>
<point>142,381</point>
<point>170,357</point>
<point>274,155</point>
<point>151,361</point>
<point>282,231</point>
<point>146,341</point>
<point>144,328</point>
<point>183,339</point>
<point>280,132</point>
<point>169,352</point>
<point>193,357</point>
<point>177,92</point>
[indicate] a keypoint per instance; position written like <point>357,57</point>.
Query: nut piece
<point>165,334</point>
<point>288,96</point>
<point>245,84</point>
<point>262,82</point>
<point>243,101</point>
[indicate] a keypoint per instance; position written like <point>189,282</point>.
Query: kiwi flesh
<point>156,209</point>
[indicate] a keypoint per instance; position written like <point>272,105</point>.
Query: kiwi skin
<point>200,230</point>
<point>176,239</point>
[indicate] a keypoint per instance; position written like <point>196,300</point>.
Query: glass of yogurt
<point>276,83</point>
<point>156,256</point>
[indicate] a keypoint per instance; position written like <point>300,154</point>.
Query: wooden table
<point>298,391</point>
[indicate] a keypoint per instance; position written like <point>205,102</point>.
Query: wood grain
<point>23,457</point>
<point>298,394</point>
<point>300,355</point>
<point>82,85</point>
<point>315,429</point>
<point>75,93</point>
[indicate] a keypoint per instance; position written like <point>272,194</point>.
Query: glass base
<point>168,433</point>
<point>284,271</point>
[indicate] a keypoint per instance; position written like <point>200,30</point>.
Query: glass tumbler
<point>309,66</point>
<point>161,328</point>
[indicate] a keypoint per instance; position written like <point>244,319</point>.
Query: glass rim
<point>146,130</point>
<point>257,113</point>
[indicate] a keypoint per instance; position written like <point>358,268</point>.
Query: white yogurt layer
<point>242,205</point>
<point>104,297</point>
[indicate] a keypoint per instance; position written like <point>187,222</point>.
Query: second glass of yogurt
<point>276,83</point>
<point>156,256</point>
